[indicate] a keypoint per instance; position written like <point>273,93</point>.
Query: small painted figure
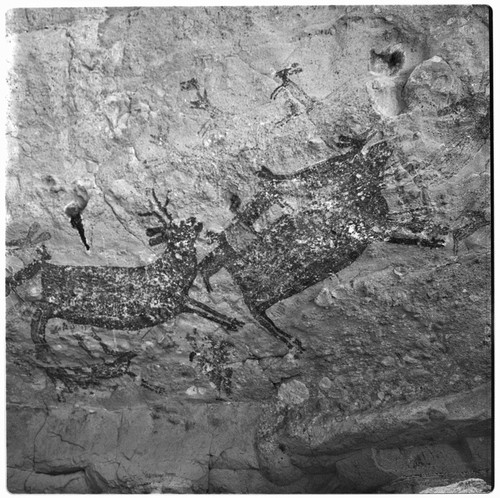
<point>284,75</point>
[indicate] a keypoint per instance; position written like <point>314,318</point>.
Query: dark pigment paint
<point>122,297</point>
<point>77,223</point>
<point>284,76</point>
<point>27,273</point>
<point>341,212</point>
<point>296,231</point>
<point>202,102</point>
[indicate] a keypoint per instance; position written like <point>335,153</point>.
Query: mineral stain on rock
<point>77,224</point>
<point>74,210</point>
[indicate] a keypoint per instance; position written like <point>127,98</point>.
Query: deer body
<point>341,210</point>
<point>132,298</point>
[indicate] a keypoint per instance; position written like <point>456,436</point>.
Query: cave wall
<point>248,249</point>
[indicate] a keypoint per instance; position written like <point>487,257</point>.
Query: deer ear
<point>158,240</point>
<point>153,231</point>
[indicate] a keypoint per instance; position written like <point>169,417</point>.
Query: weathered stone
<point>325,383</point>
<point>470,486</point>
<point>23,481</point>
<point>293,392</point>
<point>362,471</point>
<point>247,481</point>
<point>432,86</point>
<point>325,298</point>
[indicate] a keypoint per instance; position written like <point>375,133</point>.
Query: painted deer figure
<point>341,210</point>
<point>127,298</point>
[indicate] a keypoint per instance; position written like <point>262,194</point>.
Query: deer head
<point>185,231</point>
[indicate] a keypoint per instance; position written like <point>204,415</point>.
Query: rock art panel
<point>248,249</point>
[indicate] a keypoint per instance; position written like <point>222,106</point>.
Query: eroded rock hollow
<point>248,249</point>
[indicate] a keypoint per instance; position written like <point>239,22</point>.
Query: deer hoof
<point>235,324</point>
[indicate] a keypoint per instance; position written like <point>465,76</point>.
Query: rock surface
<point>470,486</point>
<point>306,307</point>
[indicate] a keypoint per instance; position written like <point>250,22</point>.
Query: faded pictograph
<point>126,298</point>
<point>273,250</point>
<point>342,210</point>
<point>298,229</point>
<point>120,297</point>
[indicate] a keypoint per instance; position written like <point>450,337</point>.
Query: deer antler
<point>163,210</point>
<point>163,216</point>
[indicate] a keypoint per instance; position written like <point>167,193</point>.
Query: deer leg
<point>234,321</point>
<point>38,324</point>
<point>212,315</point>
<point>417,241</point>
<point>290,341</point>
<point>216,260</point>
<point>208,268</point>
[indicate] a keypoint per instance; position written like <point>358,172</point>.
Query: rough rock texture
<point>248,249</point>
<point>470,486</point>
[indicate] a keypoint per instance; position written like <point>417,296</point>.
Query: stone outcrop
<point>248,249</point>
<point>470,486</point>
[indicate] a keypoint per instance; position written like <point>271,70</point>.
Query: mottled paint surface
<point>324,218</point>
<point>127,298</point>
